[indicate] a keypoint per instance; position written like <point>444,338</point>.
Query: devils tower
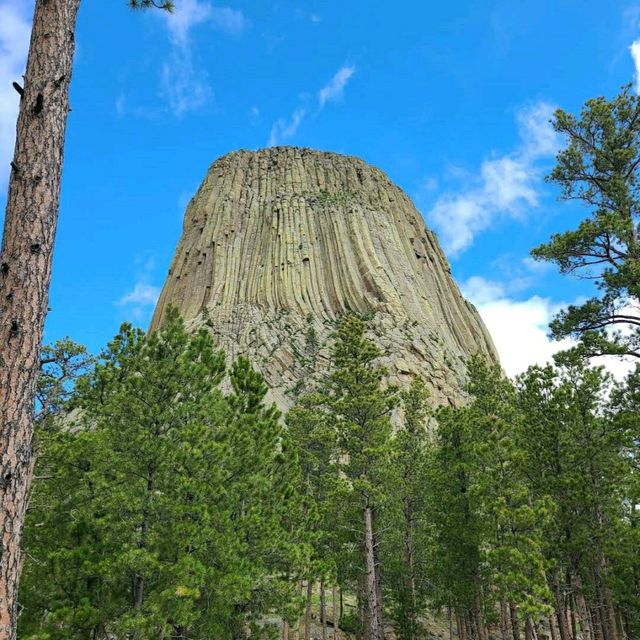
<point>277,244</point>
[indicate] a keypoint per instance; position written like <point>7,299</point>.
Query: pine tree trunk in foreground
<point>334,613</point>
<point>296,631</point>
<point>374,623</point>
<point>25,269</point>
<point>308,613</point>
<point>515,625</point>
<point>583,611</point>
<point>561,612</point>
<point>504,623</point>
<point>323,610</point>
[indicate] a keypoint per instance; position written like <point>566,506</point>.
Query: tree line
<point>167,507</point>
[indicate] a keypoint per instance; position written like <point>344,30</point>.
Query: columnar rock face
<point>279,243</point>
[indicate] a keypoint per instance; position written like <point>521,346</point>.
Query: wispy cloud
<point>283,128</point>
<point>140,300</point>
<point>230,20</point>
<point>142,293</point>
<point>634,50</point>
<point>506,185</point>
<point>15,30</point>
<point>184,85</point>
<point>335,87</point>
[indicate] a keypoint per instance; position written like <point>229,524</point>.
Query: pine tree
<point>577,455</point>
<point>164,506</point>
<point>599,167</point>
<point>489,527</point>
<point>404,515</point>
<point>348,439</point>
<point>362,408</point>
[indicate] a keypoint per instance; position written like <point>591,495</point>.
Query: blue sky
<point>450,99</point>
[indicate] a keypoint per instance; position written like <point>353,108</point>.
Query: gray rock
<point>279,243</point>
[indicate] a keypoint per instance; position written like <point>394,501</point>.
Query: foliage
<point>163,509</point>
<point>599,167</point>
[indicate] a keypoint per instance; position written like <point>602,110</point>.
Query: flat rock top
<point>279,243</point>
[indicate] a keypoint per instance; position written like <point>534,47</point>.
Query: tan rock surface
<point>278,243</point>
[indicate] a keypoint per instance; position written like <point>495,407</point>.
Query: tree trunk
<point>504,623</point>
<point>460,626</point>
<point>450,622</point>
<point>323,610</point>
<point>308,613</point>
<point>285,630</point>
<point>561,611</point>
<point>621,626</point>
<point>409,561</point>
<point>374,624</point>
<point>530,632</point>
<point>553,631</point>
<point>477,612</point>
<point>334,613</point>
<point>296,631</point>
<point>608,610</point>
<point>25,269</point>
<point>361,603</point>
<point>583,611</point>
<point>515,626</point>
<point>596,622</point>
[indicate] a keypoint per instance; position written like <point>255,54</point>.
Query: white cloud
<point>183,84</point>
<point>230,20</point>
<point>507,185</point>
<point>520,328</point>
<point>538,137</point>
<point>15,31</point>
<point>142,294</point>
<point>335,87</point>
<point>283,129</point>
<point>140,301</point>
<point>186,15</point>
<point>634,49</point>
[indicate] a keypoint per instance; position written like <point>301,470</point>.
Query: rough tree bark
<point>374,623</point>
<point>504,622</point>
<point>583,610</point>
<point>515,625</point>
<point>561,611</point>
<point>308,612</point>
<point>323,610</point>
<point>25,268</point>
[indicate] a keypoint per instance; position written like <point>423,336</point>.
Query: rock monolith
<point>279,243</point>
